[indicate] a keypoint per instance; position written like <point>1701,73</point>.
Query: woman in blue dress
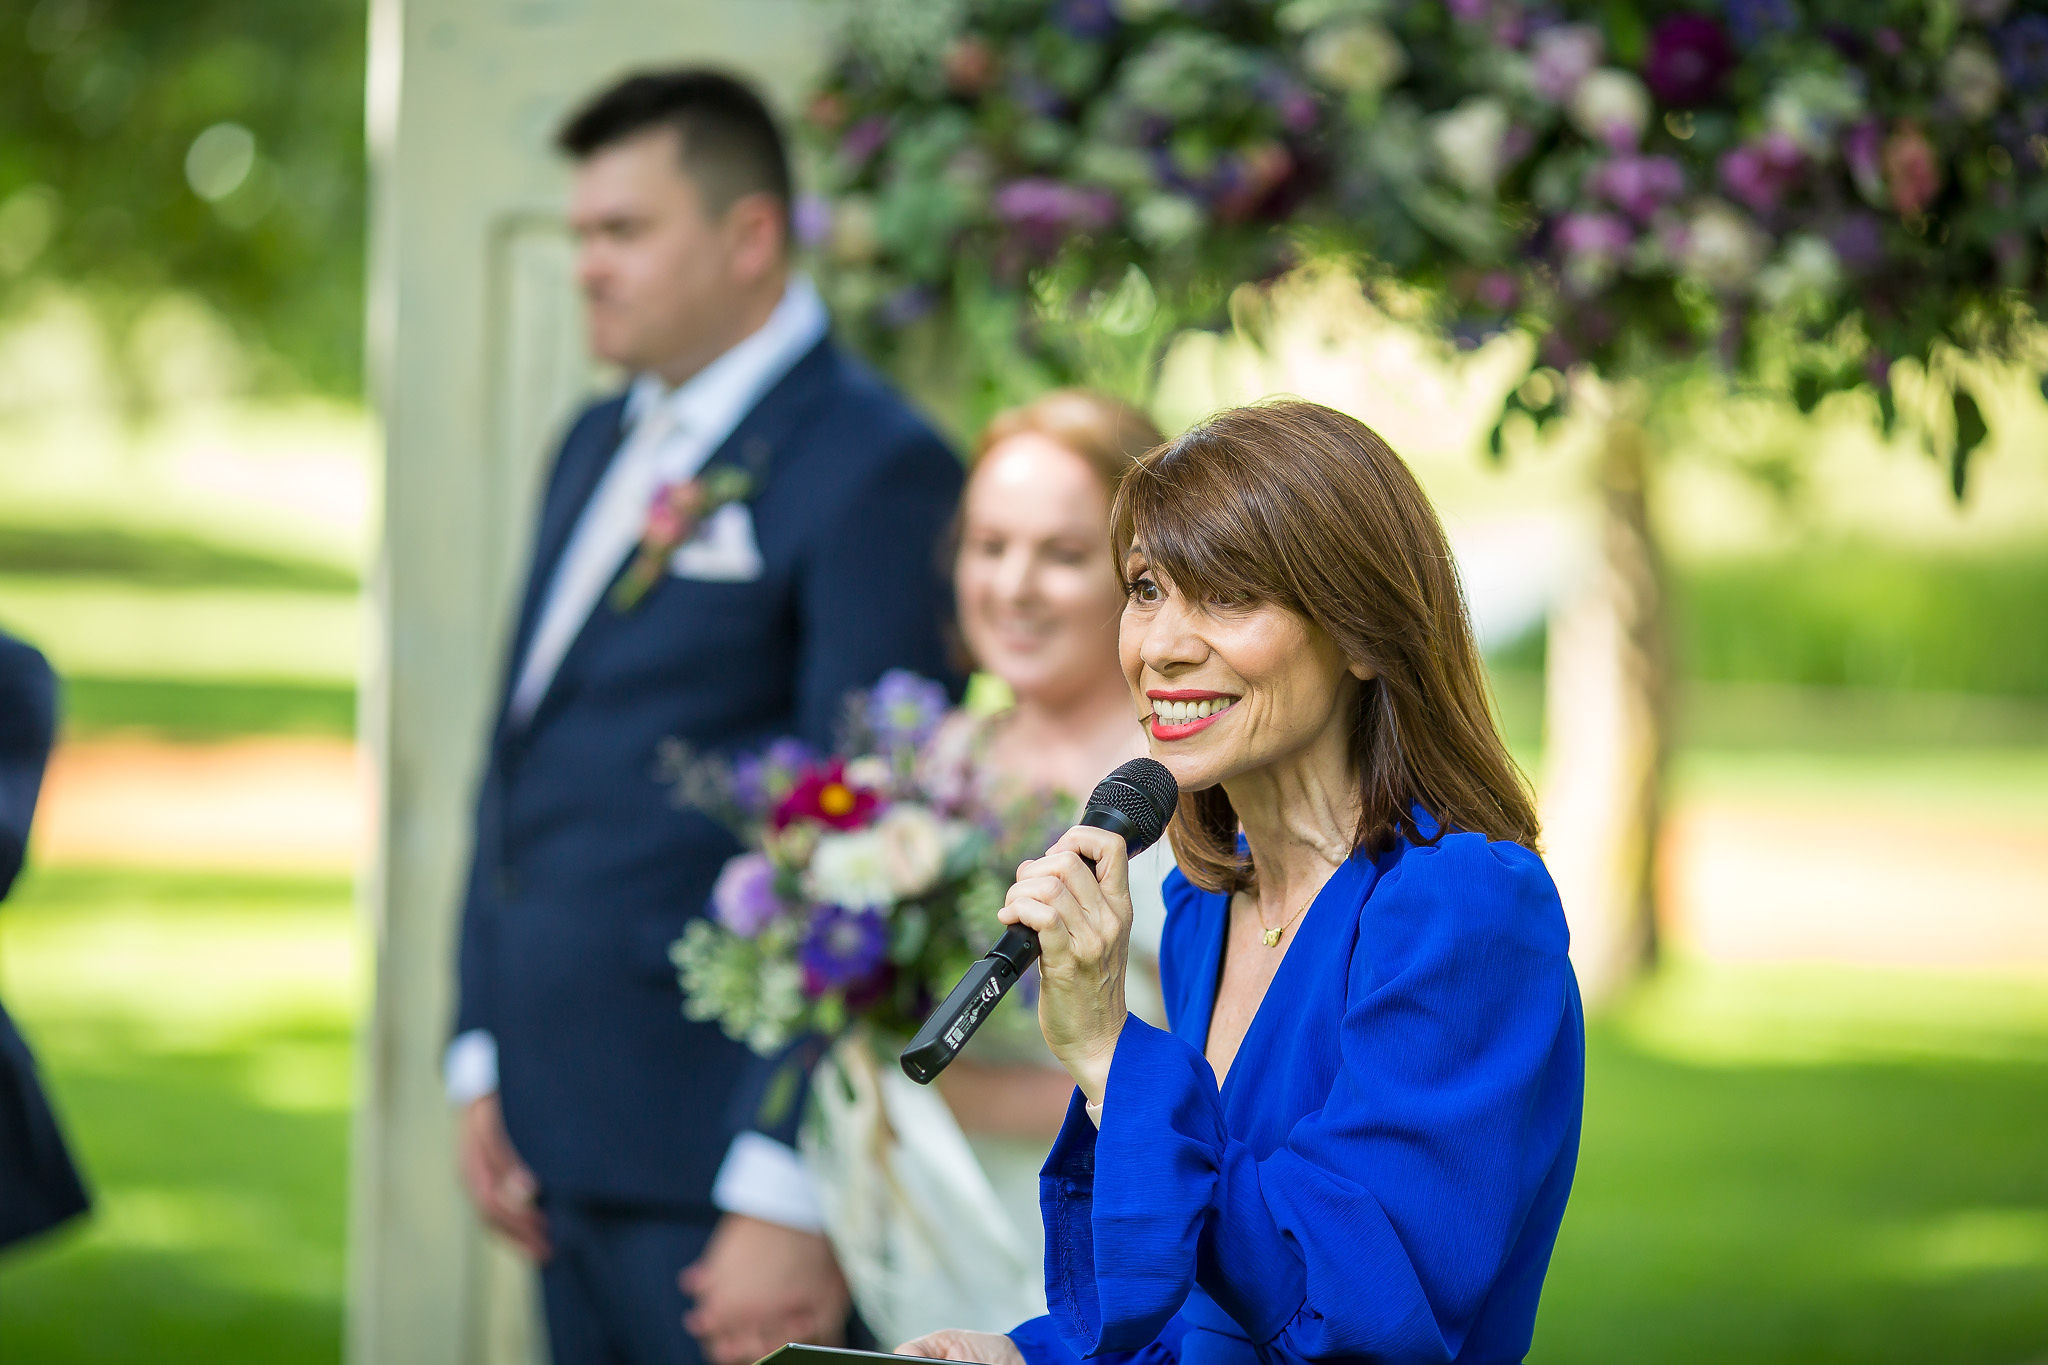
<point>1356,1141</point>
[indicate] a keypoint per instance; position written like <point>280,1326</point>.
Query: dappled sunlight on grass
<point>1810,1164</point>
<point>1797,1015</point>
<point>197,1032</point>
<point>1966,1242</point>
<point>295,478</point>
<point>169,963</point>
<point>118,628</point>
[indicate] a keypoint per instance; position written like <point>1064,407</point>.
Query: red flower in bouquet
<point>824,795</point>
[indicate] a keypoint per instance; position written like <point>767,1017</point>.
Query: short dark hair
<point>730,144</point>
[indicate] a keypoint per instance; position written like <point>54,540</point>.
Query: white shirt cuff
<point>469,1069</point>
<point>761,1178</point>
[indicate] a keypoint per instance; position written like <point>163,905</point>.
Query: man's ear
<point>757,235</point>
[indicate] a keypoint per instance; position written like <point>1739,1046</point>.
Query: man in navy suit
<point>605,1134</point>
<point>39,1188</point>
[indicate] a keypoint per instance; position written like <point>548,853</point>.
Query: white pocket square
<point>723,550</point>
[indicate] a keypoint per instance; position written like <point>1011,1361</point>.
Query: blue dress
<point>1381,1176</point>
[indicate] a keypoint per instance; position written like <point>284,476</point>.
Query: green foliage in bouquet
<point>1802,192</point>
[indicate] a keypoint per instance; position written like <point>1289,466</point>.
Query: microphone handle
<point>948,1027</point>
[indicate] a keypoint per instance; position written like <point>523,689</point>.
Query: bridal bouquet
<point>870,882</point>
<point>871,878</point>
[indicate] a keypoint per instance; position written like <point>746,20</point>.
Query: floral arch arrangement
<point>1803,191</point>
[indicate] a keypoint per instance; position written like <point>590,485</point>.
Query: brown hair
<point>1110,435</point>
<point>1295,504</point>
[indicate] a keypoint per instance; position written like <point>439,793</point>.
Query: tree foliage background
<point>208,148</point>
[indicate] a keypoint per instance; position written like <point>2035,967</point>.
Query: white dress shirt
<point>670,433</point>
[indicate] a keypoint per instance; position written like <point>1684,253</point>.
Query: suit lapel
<point>768,424</point>
<point>751,446</point>
<point>585,457</point>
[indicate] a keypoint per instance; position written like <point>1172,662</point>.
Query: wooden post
<point>1607,716</point>
<point>476,360</point>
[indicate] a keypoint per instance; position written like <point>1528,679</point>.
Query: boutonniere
<point>673,516</point>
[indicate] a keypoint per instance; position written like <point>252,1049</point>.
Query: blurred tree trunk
<point>1607,723</point>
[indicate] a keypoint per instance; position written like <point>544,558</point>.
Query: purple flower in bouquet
<point>810,220</point>
<point>1858,240</point>
<point>743,898</point>
<point>1497,290</point>
<point>864,139</point>
<point>1507,18</point>
<point>1638,185</point>
<point>906,305</point>
<point>760,780</point>
<point>1756,20</point>
<point>1038,96</point>
<point>844,949</point>
<point>904,709</point>
<point>1087,18</point>
<point>1762,172</point>
<point>1688,62</point>
<point>1863,154</point>
<point>2024,45</point>
<point>1562,56</point>
<point>1293,105</point>
<point>1045,212</point>
<point>1594,236</point>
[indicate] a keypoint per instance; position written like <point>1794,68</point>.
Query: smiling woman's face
<point>1037,587</point>
<point>1229,689</point>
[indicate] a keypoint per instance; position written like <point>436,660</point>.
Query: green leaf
<point>779,1097</point>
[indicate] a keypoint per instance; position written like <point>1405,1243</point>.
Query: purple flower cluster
<point>1689,61</point>
<point>845,950</point>
<point>2023,45</point>
<point>743,899</point>
<point>1756,20</point>
<point>1044,213</point>
<point>760,780</point>
<point>1760,173</point>
<point>904,709</point>
<point>1638,185</point>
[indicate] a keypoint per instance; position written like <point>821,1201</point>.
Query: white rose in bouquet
<point>913,849</point>
<point>850,870</point>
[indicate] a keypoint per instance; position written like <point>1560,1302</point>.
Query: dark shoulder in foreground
<point>1465,890</point>
<point>28,697</point>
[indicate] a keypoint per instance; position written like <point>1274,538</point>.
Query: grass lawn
<point>1780,1165</point>
<point>198,1034</point>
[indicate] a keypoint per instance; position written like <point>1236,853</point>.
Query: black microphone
<point>1135,801</point>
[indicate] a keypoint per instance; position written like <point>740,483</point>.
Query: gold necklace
<point>1271,937</point>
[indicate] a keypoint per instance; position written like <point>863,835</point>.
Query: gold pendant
<point>1272,937</point>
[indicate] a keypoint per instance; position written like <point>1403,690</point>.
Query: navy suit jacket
<point>39,1188</point>
<point>585,870</point>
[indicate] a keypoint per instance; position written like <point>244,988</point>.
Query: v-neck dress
<point>1381,1175</point>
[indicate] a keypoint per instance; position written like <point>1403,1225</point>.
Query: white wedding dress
<point>933,1228</point>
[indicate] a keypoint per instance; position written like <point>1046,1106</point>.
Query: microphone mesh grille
<point>1144,793</point>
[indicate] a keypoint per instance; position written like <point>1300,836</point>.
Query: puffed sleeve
<point>1378,1228</point>
<point>1041,1343</point>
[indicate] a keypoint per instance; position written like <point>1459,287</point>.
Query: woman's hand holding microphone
<point>1083,920</point>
